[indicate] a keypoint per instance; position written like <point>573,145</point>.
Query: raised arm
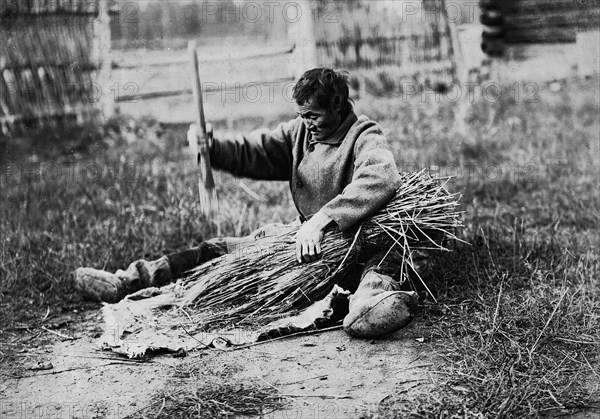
<point>261,154</point>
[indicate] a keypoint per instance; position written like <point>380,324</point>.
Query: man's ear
<point>336,103</point>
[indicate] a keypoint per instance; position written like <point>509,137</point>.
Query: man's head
<point>322,100</point>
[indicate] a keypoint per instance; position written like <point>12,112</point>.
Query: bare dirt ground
<point>318,376</point>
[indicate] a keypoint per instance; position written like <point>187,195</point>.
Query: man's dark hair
<point>323,85</point>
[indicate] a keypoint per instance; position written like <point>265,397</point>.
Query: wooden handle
<point>197,89</point>
<point>206,184</point>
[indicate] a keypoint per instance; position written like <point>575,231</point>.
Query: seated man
<point>340,171</point>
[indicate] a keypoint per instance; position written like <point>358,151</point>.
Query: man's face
<point>321,123</point>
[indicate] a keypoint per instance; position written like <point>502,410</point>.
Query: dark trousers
<point>181,262</point>
<point>381,262</point>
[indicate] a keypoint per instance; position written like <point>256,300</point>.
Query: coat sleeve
<point>374,181</point>
<point>261,154</point>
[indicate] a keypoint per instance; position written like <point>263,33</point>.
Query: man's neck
<point>345,112</point>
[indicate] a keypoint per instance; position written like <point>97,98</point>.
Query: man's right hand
<point>193,134</point>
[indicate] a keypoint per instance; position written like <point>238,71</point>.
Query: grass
<point>518,322</point>
<point>212,393</point>
<point>106,204</point>
<point>518,319</point>
<point>220,400</point>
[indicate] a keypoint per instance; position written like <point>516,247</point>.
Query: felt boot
<point>98,285</point>
<point>378,307</point>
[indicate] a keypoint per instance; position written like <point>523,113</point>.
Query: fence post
<point>460,70</point>
<point>165,23</point>
<point>587,40</point>
<point>301,30</point>
<point>102,58</point>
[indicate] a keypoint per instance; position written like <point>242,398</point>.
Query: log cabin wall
<point>547,21</point>
<point>541,40</point>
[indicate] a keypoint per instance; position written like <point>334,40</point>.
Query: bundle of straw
<point>264,282</point>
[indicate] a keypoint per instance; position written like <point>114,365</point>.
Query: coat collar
<point>339,134</point>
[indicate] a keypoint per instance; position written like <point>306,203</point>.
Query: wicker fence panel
<point>47,63</point>
<point>39,7</point>
<point>367,35</point>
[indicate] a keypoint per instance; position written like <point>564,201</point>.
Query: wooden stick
<point>208,199</point>
<point>59,334</point>
<point>292,335</point>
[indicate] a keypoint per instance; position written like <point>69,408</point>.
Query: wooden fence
<point>51,55</point>
<point>372,39</point>
<point>162,24</point>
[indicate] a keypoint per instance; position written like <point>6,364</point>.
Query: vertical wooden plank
<point>301,30</point>
<point>461,72</point>
<point>101,57</point>
<point>588,44</point>
<point>165,23</point>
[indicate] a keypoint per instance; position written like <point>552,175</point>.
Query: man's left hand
<point>309,236</point>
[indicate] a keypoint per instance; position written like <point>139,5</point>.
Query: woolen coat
<point>349,175</point>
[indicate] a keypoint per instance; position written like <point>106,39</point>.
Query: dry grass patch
<point>201,392</point>
<point>216,400</point>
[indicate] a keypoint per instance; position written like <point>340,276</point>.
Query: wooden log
<point>571,18</point>
<point>529,7</point>
<point>266,53</point>
<point>210,88</point>
<point>541,36</point>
